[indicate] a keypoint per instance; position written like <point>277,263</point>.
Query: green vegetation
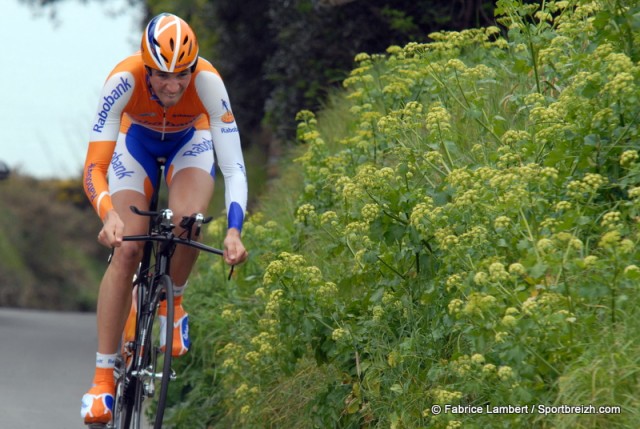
<point>459,227</point>
<point>49,258</point>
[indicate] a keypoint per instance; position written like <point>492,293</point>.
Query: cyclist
<point>163,101</point>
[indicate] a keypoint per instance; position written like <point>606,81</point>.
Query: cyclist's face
<point>169,87</point>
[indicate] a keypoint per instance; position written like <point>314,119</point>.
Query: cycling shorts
<point>134,164</point>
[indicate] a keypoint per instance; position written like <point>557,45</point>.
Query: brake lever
<point>199,219</point>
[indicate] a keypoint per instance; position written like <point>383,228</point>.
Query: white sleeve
<point>226,143</point>
<point>115,95</point>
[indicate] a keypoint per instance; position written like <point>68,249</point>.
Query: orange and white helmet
<point>169,44</point>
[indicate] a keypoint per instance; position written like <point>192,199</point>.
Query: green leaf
<point>397,388</point>
<point>538,270</point>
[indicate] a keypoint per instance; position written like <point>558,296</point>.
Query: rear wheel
<point>123,405</point>
<point>127,392</point>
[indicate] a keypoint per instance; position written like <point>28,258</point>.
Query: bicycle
<point>138,365</point>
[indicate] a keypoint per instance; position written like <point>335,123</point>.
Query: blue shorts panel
<point>135,156</point>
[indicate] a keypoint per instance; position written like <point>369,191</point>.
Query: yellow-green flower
<point>611,220</point>
<point>632,271</point>
<point>453,281</point>
<point>377,313</point>
<point>489,368</point>
<point>621,86</point>
<point>529,306</point>
<point>340,334</point>
<point>511,137</point>
<point>563,206</point>
<point>505,372</point>
<point>509,321</point>
<point>477,359</point>
<point>481,278</point>
<point>501,222</point>
<point>438,120</point>
<point>590,260</point>
<point>305,213</point>
<point>634,193</point>
<point>628,157</point>
<point>455,306</point>
<point>501,336</point>
<point>517,269</point>
<point>370,212</point>
<point>361,57</point>
<point>497,272</point>
<point>610,239</point>
<point>545,245</point>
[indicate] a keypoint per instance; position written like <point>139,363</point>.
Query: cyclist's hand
<point>234,251</point>
<point>112,230</point>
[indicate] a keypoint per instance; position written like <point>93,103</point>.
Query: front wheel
<point>165,284</point>
<point>136,378</point>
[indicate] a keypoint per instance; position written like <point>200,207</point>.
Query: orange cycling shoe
<point>97,404</point>
<point>181,342</point>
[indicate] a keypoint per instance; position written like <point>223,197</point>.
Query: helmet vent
<point>172,44</point>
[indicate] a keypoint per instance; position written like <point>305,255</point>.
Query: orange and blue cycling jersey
<point>131,129</point>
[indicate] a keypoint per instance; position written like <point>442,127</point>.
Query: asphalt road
<point>46,365</point>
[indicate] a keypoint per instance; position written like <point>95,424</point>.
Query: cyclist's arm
<point>114,97</point>
<point>95,176</point>
<point>226,142</point>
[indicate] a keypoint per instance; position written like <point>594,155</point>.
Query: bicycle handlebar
<point>169,237</point>
<point>172,238</point>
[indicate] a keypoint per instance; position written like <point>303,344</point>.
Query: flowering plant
<point>467,236</point>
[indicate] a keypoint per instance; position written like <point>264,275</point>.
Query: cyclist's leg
<point>127,187</point>
<point>190,192</point>
<point>114,298</point>
<point>129,184</point>
<point>190,179</point>
<point>114,301</point>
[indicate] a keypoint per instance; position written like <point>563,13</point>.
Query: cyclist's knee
<point>128,254</point>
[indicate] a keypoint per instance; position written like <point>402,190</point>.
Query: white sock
<point>105,361</point>
<point>179,290</point>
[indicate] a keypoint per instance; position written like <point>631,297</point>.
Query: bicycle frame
<point>153,285</point>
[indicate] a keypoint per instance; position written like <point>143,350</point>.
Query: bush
<point>465,234</point>
<point>49,258</point>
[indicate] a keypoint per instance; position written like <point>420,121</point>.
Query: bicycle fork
<point>145,372</point>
